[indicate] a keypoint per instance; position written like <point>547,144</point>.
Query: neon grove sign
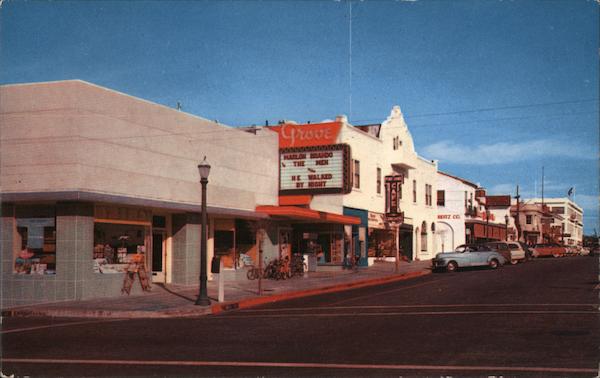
<point>316,134</point>
<point>292,134</point>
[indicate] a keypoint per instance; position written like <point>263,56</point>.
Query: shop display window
<point>116,244</point>
<point>225,247</point>
<point>328,247</point>
<point>37,246</point>
<point>381,243</point>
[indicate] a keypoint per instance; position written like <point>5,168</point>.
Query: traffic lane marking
<point>383,292</point>
<point>539,369</point>
<point>25,329</point>
<point>357,314</point>
<point>368,307</point>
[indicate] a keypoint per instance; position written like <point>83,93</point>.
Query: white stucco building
<point>377,151</point>
<point>570,218</point>
<point>456,203</point>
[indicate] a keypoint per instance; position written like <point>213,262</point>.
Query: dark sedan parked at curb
<point>467,255</point>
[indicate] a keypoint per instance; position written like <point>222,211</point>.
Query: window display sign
<point>315,170</point>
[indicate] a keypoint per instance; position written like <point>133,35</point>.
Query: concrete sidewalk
<point>178,301</point>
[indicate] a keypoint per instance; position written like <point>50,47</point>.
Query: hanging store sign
<point>315,170</point>
<point>393,188</point>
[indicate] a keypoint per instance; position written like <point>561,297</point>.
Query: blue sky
<point>493,89</point>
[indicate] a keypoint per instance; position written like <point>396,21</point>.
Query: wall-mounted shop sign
<point>448,216</point>
<point>313,134</point>
<point>499,201</point>
<point>315,170</point>
<point>393,188</point>
<point>375,220</point>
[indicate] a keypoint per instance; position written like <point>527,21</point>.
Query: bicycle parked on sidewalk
<point>298,266</point>
<point>278,269</point>
<point>353,262</point>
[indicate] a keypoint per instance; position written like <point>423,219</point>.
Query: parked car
<point>584,251</point>
<point>528,251</point>
<point>549,249</point>
<point>467,255</point>
<point>502,248</point>
<point>517,253</point>
<point>571,251</point>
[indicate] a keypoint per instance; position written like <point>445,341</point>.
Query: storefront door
<point>158,256</point>
<point>406,243</point>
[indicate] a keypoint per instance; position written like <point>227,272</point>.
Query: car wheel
<point>514,261</point>
<point>493,263</point>
<point>451,267</point>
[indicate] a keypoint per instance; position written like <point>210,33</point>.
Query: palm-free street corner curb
<point>179,302</point>
<point>256,301</point>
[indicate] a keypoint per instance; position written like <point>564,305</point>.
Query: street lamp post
<point>204,169</point>
<point>506,227</point>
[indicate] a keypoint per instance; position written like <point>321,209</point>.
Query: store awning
<point>304,214</point>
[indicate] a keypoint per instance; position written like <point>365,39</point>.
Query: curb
<point>214,309</point>
<point>252,302</point>
<point>105,314</point>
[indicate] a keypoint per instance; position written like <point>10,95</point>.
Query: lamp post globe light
<point>204,170</point>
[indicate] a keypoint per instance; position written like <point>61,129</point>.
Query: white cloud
<point>502,153</point>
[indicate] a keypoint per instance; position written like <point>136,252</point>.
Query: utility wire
<point>191,136</point>
<point>488,109</point>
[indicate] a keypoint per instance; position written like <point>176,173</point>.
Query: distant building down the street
<point>567,219</point>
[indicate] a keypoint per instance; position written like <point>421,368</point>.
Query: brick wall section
<point>74,245</point>
<point>186,248</point>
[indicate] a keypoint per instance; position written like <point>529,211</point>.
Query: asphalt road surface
<point>539,318</point>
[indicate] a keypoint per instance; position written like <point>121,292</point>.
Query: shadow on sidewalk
<point>165,288</point>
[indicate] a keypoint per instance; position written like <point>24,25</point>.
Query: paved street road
<point>534,319</point>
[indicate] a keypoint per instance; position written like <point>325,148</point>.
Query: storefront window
<point>326,245</point>
<point>37,248</point>
<point>115,245</point>
<point>225,243</point>
<point>245,243</point>
<point>381,243</point>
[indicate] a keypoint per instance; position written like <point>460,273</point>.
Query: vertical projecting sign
<point>393,186</point>
<point>314,170</point>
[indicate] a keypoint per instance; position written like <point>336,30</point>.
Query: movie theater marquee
<point>314,170</point>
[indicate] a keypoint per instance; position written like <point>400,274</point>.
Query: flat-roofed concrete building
<point>90,176</point>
